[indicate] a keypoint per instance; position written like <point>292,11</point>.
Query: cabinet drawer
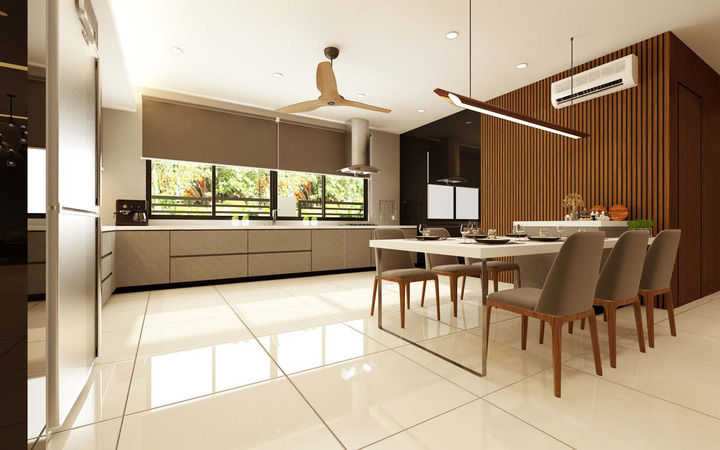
<point>106,266</point>
<point>208,242</point>
<point>278,263</point>
<point>328,249</point>
<point>107,243</point>
<point>357,249</point>
<point>200,268</point>
<point>107,288</point>
<point>263,241</point>
<point>142,258</point>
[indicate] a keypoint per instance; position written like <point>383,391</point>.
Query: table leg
<point>486,329</point>
<point>378,264</point>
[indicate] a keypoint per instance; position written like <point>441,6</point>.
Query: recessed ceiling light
<point>468,122</point>
<point>521,66</point>
<point>452,35</point>
<point>177,50</point>
<point>421,110</point>
<point>361,95</point>
<point>3,14</point>
<point>278,75</point>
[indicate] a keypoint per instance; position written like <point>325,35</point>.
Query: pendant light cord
<point>470,48</point>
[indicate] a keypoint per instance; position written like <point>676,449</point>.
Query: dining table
<point>467,248</point>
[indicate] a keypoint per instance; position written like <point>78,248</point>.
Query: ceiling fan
<point>329,95</point>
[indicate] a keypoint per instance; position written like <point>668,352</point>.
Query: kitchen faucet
<point>273,213</point>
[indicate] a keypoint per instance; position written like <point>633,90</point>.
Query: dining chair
<point>450,267</point>
<point>567,295</point>
<point>494,269</point>
<point>619,282</point>
<point>397,266</point>
<point>656,275</point>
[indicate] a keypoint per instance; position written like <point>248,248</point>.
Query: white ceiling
<point>394,51</point>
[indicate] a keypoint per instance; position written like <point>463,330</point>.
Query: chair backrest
<point>570,285</point>
<point>439,260</point>
<point>660,261</point>
<point>620,277</point>
<point>393,259</point>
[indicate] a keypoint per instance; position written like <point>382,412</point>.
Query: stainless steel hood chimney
<point>358,143</point>
<point>453,147</point>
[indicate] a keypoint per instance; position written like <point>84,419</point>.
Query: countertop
<point>575,223</point>
<point>248,227</point>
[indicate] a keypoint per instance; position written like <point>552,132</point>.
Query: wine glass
<point>474,229</point>
<point>519,230</point>
<point>561,230</point>
<point>464,231</point>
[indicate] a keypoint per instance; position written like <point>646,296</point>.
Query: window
<point>189,190</point>
<point>36,179</point>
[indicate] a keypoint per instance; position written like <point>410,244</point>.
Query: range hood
<point>358,143</point>
<point>453,147</point>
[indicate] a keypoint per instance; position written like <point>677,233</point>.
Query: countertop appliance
<point>131,212</point>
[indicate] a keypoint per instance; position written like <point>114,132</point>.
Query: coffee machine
<point>131,212</point>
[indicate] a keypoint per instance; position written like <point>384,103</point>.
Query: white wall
<point>124,170</point>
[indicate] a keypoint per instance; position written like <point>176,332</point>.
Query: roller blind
<point>192,133</point>
<point>309,149</point>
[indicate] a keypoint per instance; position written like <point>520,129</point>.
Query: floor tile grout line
<point>283,371</point>
<point>419,423</point>
<point>527,423</point>
<point>132,373</point>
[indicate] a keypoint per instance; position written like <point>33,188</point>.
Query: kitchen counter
<point>249,227</point>
<point>574,223</point>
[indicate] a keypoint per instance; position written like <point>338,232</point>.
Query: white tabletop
<point>574,223</point>
<point>456,247</point>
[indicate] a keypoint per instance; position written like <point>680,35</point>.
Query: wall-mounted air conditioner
<point>611,77</point>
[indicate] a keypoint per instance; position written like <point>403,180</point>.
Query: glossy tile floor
<point>298,363</point>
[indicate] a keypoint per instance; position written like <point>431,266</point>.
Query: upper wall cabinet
<point>194,133</point>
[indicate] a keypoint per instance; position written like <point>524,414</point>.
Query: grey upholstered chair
<point>656,275</point>
<point>397,266</point>
<point>494,269</point>
<point>450,267</point>
<point>567,295</point>
<point>619,282</point>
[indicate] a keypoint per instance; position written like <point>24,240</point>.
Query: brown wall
<point>527,172</point>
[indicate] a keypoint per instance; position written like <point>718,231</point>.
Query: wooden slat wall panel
<point>527,172</point>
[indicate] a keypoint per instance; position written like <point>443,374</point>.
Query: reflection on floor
<point>298,363</point>
<point>37,325</point>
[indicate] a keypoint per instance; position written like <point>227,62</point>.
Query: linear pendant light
<point>496,111</point>
<point>506,114</point>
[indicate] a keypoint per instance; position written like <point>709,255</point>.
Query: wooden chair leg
<point>556,327</point>
<point>422,298</point>
<point>402,306</point>
<point>372,307</point>
<point>437,297</point>
<point>650,311</point>
<point>639,325</point>
<point>605,316</point>
<point>496,275</point>
<point>524,321</point>
<point>519,278</point>
<point>407,295</point>
<point>453,294</point>
<point>671,313</point>
<point>488,309</point>
<point>462,290</point>
<point>582,323</point>
<point>571,324</point>
<point>595,343</point>
<point>542,331</point>
<point>611,311</point>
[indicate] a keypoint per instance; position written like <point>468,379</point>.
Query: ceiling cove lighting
<point>505,114</point>
<point>278,75</point>
<point>452,35</point>
<point>177,50</point>
<point>521,66</point>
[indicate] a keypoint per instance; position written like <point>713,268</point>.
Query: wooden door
<point>689,264</point>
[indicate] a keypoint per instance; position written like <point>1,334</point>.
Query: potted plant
<point>573,201</point>
<point>235,220</point>
<point>642,224</point>
<point>306,221</point>
<point>314,221</point>
<point>246,219</point>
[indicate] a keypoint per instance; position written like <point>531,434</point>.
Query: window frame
<point>273,200</point>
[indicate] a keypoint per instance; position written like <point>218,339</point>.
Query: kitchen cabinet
<point>358,253</point>
<point>263,264</point>
<point>328,250</point>
<point>201,268</point>
<point>266,241</point>
<point>208,242</point>
<point>142,258</point>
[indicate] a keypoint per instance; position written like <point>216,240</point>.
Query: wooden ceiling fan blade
<point>326,82</point>
<point>344,102</point>
<point>301,107</point>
